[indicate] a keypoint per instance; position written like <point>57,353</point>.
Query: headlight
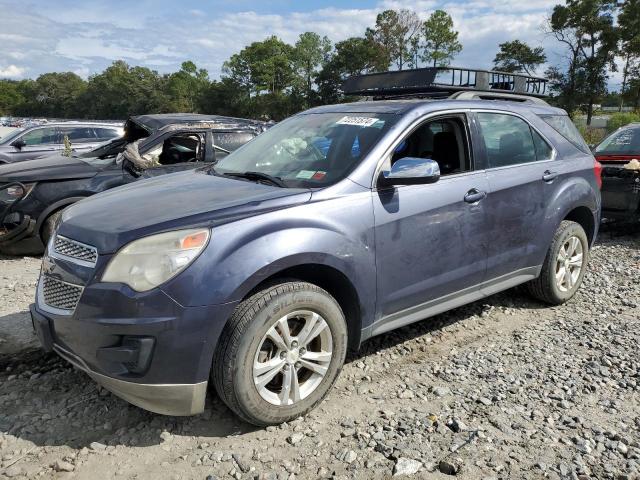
<point>13,193</point>
<point>146,263</point>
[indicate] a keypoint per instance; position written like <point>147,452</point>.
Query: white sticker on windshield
<point>357,121</point>
<point>305,174</point>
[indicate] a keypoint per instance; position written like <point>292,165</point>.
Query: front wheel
<point>49,227</point>
<point>280,353</point>
<point>564,266</point>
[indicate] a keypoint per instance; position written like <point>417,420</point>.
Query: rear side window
<point>78,134</point>
<point>543,149</point>
<point>565,127</point>
<point>508,139</point>
<point>230,141</point>
<point>104,134</point>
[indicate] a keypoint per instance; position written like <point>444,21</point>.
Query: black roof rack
<point>441,82</point>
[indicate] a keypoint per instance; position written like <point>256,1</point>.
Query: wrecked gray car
<point>33,193</point>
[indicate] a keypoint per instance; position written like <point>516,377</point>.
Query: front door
<point>431,240</point>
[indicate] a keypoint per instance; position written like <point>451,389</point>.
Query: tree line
<point>274,79</point>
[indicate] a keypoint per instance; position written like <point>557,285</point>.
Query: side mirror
<point>412,171</point>
<point>19,144</point>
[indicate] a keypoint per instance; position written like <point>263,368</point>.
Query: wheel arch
<point>583,216</point>
<point>331,279</point>
<point>54,207</point>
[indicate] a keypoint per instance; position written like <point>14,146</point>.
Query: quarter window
<point>543,149</point>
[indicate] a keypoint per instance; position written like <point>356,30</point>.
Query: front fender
<point>242,254</point>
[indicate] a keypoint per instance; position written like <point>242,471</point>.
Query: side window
<point>104,134</point>
<point>41,136</point>
<point>443,140</point>
<point>182,148</point>
<point>78,134</point>
<point>543,149</point>
<point>507,139</point>
<point>229,141</point>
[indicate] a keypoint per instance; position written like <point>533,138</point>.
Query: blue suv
<point>341,223</point>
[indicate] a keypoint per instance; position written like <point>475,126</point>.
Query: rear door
<point>519,165</point>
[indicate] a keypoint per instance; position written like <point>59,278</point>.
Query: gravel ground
<point>504,388</point>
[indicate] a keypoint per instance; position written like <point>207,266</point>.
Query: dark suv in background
<point>33,193</point>
<point>336,225</point>
<point>40,140</point>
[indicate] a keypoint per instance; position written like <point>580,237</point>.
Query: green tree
<point>629,28</point>
<point>120,91</point>
<point>186,87</point>
<point>393,35</point>
<point>264,66</point>
<point>10,96</point>
<point>586,27</point>
<point>310,53</point>
<point>52,95</point>
<point>441,43</point>
<point>518,57</point>
<point>353,56</point>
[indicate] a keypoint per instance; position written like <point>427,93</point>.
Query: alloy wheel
<point>569,264</point>
<point>293,358</point>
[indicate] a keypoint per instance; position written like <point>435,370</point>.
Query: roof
<point>400,107</point>
<point>161,120</point>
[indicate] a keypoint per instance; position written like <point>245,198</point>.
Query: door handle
<point>474,195</point>
<point>549,176</point>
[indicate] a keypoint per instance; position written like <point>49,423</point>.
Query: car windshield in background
<point>311,150</point>
<point>625,141</point>
<point>11,135</point>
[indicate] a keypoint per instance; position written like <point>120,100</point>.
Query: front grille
<point>58,294</point>
<point>72,249</point>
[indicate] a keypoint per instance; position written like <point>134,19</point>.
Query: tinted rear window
<point>565,127</point>
<point>625,141</point>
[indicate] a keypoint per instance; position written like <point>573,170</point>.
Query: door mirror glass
<point>412,171</point>
<point>19,143</point>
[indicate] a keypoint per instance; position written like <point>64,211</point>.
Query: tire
<point>49,226</point>
<point>245,345</point>
<point>547,287</point>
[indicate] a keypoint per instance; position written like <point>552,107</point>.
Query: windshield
<point>310,150</point>
<point>105,150</point>
<point>11,135</point>
<point>623,142</point>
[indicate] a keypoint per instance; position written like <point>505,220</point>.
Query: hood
<point>182,200</point>
<point>52,167</point>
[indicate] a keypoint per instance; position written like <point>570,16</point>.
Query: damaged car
<point>33,193</point>
<point>619,155</point>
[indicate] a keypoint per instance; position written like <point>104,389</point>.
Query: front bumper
<point>173,379</point>
<point>167,399</point>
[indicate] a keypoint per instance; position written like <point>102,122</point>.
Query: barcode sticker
<point>357,121</point>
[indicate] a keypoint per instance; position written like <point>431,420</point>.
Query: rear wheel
<point>280,353</point>
<point>564,266</point>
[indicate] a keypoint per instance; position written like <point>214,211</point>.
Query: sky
<point>85,37</point>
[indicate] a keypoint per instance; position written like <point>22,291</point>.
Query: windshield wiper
<point>258,176</point>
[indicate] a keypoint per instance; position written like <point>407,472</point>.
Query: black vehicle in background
<point>619,155</point>
<point>33,193</point>
<point>39,140</point>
